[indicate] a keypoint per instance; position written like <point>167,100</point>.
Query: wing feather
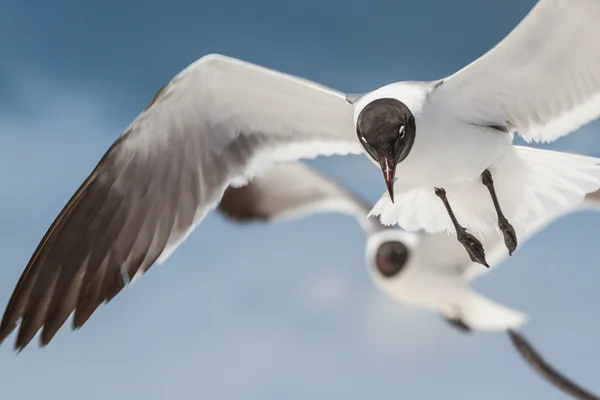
<point>217,123</point>
<point>542,79</point>
<point>293,191</point>
<point>547,371</point>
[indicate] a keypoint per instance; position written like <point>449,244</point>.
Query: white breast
<point>447,151</point>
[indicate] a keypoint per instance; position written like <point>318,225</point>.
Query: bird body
<point>452,153</point>
<point>438,275</point>
<point>431,282</point>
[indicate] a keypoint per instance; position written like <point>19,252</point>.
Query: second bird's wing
<point>547,371</point>
<point>293,190</point>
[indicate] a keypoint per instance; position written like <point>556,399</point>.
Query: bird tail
<point>480,313</point>
<point>558,182</point>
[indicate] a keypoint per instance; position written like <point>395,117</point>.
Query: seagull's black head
<point>391,258</point>
<point>386,129</point>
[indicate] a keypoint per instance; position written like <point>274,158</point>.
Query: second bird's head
<point>386,130</point>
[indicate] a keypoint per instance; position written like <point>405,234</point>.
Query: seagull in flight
<point>220,122</point>
<point>427,271</point>
<point>422,270</point>
<point>449,141</point>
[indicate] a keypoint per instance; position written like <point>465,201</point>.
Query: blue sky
<point>264,312</point>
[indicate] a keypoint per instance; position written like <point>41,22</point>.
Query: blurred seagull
<point>222,121</point>
<point>428,271</point>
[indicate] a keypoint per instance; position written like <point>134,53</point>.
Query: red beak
<point>388,166</point>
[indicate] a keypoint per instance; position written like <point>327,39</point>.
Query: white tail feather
<point>561,179</point>
<point>427,287</point>
<point>480,313</point>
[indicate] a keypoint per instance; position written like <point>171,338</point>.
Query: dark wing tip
<point>6,330</point>
<point>242,205</point>
<point>105,231</point>
<point>537,362</point>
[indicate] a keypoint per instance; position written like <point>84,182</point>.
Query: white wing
<point>217,123</point>
<point>543,79</point>
<point>293,191</point>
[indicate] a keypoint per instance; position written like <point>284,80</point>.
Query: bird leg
<point>459,324</point>
<point>471,244</point>
<point>457,321</point>
<point>510,237</point>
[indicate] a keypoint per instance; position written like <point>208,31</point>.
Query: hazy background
<point>264,312</point>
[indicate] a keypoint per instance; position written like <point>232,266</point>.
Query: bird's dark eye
<point>391,258</point>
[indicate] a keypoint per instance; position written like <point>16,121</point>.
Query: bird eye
<point>401,132</point>
<point>391,258</point>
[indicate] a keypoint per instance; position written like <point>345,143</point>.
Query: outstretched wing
<point>217,123</point>
<point>542,80</point>
<point>293,191</point>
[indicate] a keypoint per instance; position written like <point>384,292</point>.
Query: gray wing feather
<point>216,123</point>
<point>293,191</point>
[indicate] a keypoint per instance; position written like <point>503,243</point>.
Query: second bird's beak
<point>388,166</point>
